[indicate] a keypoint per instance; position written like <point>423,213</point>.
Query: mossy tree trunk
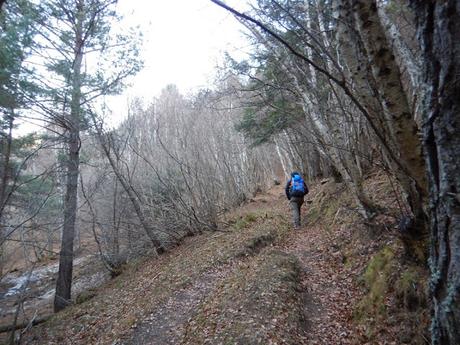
<point>438,27</point>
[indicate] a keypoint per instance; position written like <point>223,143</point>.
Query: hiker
<point>296,189</point>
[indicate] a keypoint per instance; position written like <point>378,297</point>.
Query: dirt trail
<point>329,290</point>
<point>166,324</point>
<point>328,286</point>
<point>257,282</point>
<point>326,290</point>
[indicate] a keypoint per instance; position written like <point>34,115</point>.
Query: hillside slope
<point>255,282</point>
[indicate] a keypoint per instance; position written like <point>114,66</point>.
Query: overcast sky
<point>184,41</point>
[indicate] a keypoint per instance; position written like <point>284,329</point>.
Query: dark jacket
<point>288,188</point>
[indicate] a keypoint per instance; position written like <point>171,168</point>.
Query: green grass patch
<point>85,296</point>
<point>377,281</point>
<point>411,288</point>
<point>246,220</point>
<point>395,292</point>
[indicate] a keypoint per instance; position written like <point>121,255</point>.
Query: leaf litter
<point>259,282</point>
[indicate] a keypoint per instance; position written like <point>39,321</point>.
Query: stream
<point>37,287</point>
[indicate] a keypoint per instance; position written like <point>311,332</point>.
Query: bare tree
<point>112,154</point>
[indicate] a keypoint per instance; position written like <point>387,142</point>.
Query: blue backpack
<point>297,186</point>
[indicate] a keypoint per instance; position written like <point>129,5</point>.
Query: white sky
<point>183,42</point>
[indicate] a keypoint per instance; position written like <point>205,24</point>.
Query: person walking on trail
<point>296,189</point>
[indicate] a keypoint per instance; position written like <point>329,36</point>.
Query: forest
<point>181,201</point>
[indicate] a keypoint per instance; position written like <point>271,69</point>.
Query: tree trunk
<point>5,167</point>
<point>64,279</point>
<point>401,39</point>
<point>386,73</point>
<point>5,174</point>
<point>115,221</point>
<point>438,27</point>
<point>388,107</point>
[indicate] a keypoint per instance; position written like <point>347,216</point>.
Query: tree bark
<point>5,172</point>
<point>438,28</point>
<point>396,108</point>
<point>386,73</point>
<point>5,168</point>
<point>408,59</point>
<point>64,279</point>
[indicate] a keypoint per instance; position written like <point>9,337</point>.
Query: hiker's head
<point>294,173</point>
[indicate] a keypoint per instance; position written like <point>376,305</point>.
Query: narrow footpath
<point>326,290</point>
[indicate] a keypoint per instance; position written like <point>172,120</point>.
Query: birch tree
<point>362,72</point>
<point>376,66</point>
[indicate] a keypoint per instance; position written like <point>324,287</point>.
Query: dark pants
<point>296,204</point>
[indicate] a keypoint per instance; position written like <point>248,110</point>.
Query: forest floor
<point>257,281</point>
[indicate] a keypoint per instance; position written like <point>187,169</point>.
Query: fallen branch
<point>8,328</point>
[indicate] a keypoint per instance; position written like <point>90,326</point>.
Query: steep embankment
<point>255,282</point>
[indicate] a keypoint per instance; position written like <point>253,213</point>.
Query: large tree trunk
<point>5,147</point>
<point>393,96</point>
<point>401,38</point>
<point>386,78</point>
<point>377,76</point>
<point>64,279</point>
<point>438,26</point>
